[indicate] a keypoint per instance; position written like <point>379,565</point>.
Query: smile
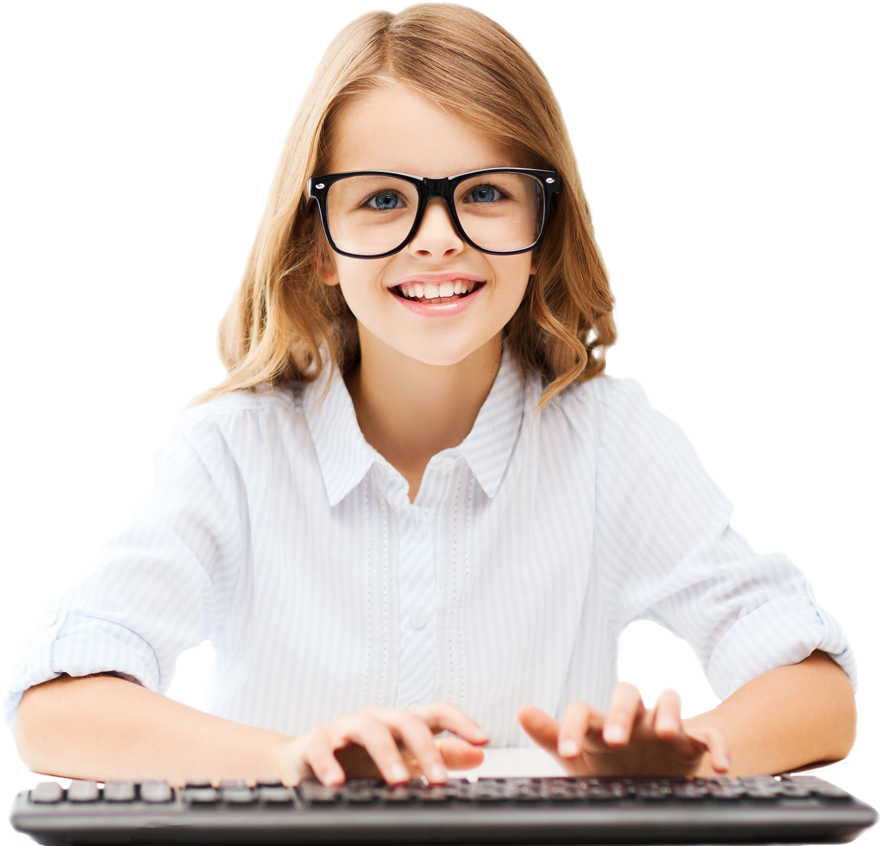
<point>440,292</point>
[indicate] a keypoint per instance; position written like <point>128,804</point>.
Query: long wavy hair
<point>284,321</point>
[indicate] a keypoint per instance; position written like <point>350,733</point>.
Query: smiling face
<point>438,300</point>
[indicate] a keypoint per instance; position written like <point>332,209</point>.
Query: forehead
<point>395,128</point>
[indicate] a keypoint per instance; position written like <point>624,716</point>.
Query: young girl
<point>416,506</point>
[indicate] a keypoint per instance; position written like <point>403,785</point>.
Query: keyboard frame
<point>617,821</point>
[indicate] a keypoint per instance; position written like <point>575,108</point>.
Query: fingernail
<point>400,773</point>
<point>329,777</point>
<point>437,773</point>
<point>614,734</point>
<point>568,747</point>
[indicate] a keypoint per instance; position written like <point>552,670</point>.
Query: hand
<point>628,740</point>
<point>392,744</point>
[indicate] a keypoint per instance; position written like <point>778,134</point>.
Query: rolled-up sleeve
<point>161,585</point>
<point>668,554</point>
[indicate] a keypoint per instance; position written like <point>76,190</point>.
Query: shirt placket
<point>417,591</point>
<point>418,586</point>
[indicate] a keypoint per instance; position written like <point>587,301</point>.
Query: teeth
<point>431,291</point>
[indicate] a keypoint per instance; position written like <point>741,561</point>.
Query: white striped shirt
<point>278,533</point>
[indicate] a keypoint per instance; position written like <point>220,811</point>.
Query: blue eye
<point>385,201</point>
<point>484,194</point>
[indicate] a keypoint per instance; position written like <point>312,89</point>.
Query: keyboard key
<point>395,794</point>
<point>119,791</point>
<point>156,792</point>
<point>431,793</point>
<point>653,790</point>
<point>316,792</point>
<point>763,793</point>
<point>238,795</point>
<point>830,791</point>
<point>795,790</point>
<point>276,795</point>
<point>47,793</point>
<point>82,791</point>
<point>528,793</point>
<point>690,790</point>
<point>201,795</point>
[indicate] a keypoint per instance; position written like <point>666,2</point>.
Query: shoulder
<point>281,401</point>
<point>600,402</point>
<point>240,417</point>
<point>616,419</point>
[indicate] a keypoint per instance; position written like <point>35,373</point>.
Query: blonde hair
<point>284,320</point>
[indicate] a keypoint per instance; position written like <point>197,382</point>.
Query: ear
<point>331,278</point>
<point>323,263</point>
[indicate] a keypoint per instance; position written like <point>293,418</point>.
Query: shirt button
<point>51,620</point>
<point>414,706</point>
<point>447,464</point>
<point>418,618</point>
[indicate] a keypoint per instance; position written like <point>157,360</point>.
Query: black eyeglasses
<point>373,214</point>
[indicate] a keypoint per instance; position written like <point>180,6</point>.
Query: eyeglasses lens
<point>372,215</point>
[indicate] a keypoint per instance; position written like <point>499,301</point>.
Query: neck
<point>409,411</point>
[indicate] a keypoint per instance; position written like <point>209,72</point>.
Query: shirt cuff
<point>79,645</point>
<point>783,631</point>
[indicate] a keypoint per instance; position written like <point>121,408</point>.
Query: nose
<point>436,236</point>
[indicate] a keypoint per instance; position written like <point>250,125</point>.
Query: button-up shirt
<point>278,533</point>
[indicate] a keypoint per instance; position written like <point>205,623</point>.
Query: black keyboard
<point>763,809</point>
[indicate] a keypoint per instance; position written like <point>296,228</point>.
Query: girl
<point>416,503</point>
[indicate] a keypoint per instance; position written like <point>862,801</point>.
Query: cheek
<point>360,281</point>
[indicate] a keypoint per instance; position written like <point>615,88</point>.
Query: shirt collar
<point>489,444</point>
<point>344,457</point>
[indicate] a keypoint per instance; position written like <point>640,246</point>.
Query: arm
<point>105,728</point>
<point>785,719</point>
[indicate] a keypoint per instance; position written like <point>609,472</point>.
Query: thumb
<point>541,727</point>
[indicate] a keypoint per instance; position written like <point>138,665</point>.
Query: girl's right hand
<point>392,744</point>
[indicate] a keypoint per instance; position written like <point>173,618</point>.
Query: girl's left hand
<point>628,740</point>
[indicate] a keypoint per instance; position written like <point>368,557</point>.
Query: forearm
<point>787,718</point>
<point>105,728</point>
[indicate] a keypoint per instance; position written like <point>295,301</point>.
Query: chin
<point>447,353</point>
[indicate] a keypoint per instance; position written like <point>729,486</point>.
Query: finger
<point>716,743</point>
<point>459,754</point>
<point>444,716</point>
<point>318,754</point>
<point>417,738</point>
<point>667,720</point>
<point>541,727</point>
<point>377,739</point>
<point>623,713</point>
<point>577,722</point>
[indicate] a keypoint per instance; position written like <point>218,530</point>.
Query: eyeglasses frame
<point>445,188</point>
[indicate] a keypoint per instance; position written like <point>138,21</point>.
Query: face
<point>396,129</point>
